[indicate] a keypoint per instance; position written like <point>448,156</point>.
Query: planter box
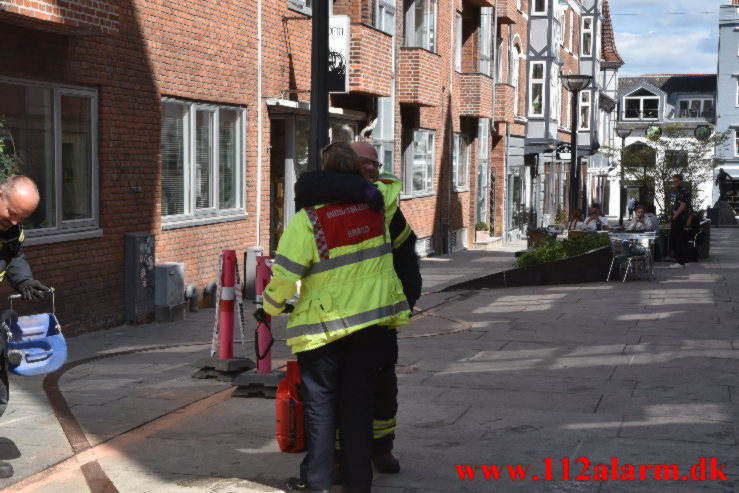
<point>588,267</point>
<point>482,237</point>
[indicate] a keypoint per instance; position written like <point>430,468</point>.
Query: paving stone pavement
<point>642,372</point>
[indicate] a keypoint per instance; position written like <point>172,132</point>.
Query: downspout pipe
<point>260,116</point>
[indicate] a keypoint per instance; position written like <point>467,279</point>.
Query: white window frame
<point>586,103</point>
<point>431,23</point>
<point>499,59</point>
<point>515,79</point>
<point>532,82</point>
<point>70,229</point>
<point>458,41</point>
<point>486,42</point>
<point>736,142</point>
<point>384,133</point>
<point>192,215</point>
<point>383,7</point>
<point>641,107</point>
<point>561,30</point>
<point>737,92</point>
<point>570,30</point>
<point>483,159</point>
<point>303,6</point>
<point>461,163</point>
<point>586,49</point>
<point>429,164</point>
<point>534,10</point>
<point>701,102</point>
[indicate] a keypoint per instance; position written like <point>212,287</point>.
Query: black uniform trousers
<point>386,387</point>
<point>337,383</point>
<point>4,389</point>
<point>678,239</point>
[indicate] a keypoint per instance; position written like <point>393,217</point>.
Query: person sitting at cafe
<point>650,217</point>
<point>596,221</point>
<point>640,221</point>
<point>577,223</point>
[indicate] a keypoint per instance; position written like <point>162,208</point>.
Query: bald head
<point>368,159</point>
<point>19,197</point>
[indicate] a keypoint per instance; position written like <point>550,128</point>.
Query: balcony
<point>481,3</point>
<point>370,61</point>
<point>507,12</point>
<point>418,77</point>
<point>477,96</point>
<point>71,17</point>
<point>505,104</point>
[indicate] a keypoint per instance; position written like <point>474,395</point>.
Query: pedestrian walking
<point>631,205</point>
<point>19,197</point>
<point>342,255</point>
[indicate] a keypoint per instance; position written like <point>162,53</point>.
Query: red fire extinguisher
<point>290,417</point>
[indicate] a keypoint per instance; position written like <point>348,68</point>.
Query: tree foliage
<point>10,160</point>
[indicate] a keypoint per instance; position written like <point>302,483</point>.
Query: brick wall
<point>418,76</point>
<point>87,16</point>
<point>370,61</point>
<point>477,95</point>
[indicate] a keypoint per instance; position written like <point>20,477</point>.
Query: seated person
<point>640,221</point>
<point>651,218</point>
<point>577,223</point>
<point>596,221</point>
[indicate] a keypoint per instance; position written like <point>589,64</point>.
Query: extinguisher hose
<point>261,356</point>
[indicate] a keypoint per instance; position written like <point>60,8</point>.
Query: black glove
<point>31,288</point>
<point>374,197</point>
<point>260,315</point>
<point>288,308</point>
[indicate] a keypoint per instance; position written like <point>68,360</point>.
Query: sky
<point>666,36</point>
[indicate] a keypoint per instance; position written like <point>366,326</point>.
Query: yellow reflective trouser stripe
<point>349,258</point>
<point>2,276</point>
<point>382,427</point>
<point>348,322</point>
<point>272,301</point>
<point>402,236</point>
<point>290,266</point>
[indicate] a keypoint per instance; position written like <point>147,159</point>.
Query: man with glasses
<point>319,187</point>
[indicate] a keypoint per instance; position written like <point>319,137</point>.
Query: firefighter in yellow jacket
<point>342,254</point>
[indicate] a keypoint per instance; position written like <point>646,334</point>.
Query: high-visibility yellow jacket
<point>346,271</point>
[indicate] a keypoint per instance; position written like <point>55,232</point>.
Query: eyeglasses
<point>373,162</point>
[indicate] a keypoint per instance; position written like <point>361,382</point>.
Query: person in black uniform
<point>680,210</point>
<point>19,197</point>
<point>318,187</point>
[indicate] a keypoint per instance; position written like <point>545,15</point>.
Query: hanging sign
<point>702,132</point>
<point>564,151</point>
<point>338,54</point>
<point>653,132</point>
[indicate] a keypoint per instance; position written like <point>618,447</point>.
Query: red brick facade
<point>370,69</point>
<point>84,16</point>
<point>418,77</point>
<point>477,96</point>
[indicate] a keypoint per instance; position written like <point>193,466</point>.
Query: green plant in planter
<point>559,216</point>
<point>10,161</point>
<point>482,226</point>
<point>555,250</point>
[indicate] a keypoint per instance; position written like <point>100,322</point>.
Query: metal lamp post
<point>574,83</point>
<point>622,132</point>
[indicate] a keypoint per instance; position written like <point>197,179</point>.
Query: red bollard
<point>226,326</point>
<point>264,331</point>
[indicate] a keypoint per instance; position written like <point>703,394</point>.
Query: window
<point>458,43</point>
<point>420,24</point>
<point>499,55</point>
<point>737,93</point>
<point>385,17</point>
<point>514,79</point>
<point>677,160</point>
<point>483,152</point>
<point>641,105</point>
<point>570,31</point>
<point>736,143</point>
<point>585,104</point>
<point>202,160</point>
<point>561,29</point>
<point>51,133</point>
<point>586,48</point>
<point>486,18</point>
<point>536,91</point>
<point>383,134</point>
<point>695,108</point>
<point>304,6</point>
<point>418,173</point>
<point>461,164</point>
<point>539,7</point>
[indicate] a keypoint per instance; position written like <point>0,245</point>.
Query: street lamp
<point>623,132</point>
<point>574,83</point>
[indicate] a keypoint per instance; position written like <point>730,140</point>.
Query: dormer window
<point>641,105</point>
<point>695,108</point>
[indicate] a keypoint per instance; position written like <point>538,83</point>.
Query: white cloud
<point>674,53</point>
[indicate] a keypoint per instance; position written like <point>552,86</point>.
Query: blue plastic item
<point>39,340</point>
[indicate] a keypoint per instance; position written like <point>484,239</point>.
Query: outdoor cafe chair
<point>628,254</point>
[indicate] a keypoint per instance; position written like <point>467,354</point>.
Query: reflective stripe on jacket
<point>347,283</point>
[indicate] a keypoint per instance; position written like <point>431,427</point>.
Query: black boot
<point>6,470</point>
<point>386,463</point>
<point>296,484</point>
